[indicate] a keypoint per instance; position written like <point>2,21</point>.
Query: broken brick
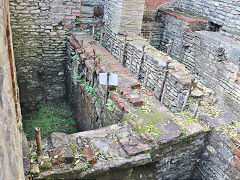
<point>236,151</point>
<point>149,93</point>
<point>67,26</point>
<point>137,85</point>
<point>135,99</point>
<point>121,106</point>
<point>236,162</point>
<point>56,157</point>
<point>89,154</point>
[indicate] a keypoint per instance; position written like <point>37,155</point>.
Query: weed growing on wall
<point>50,118</point>
<point>110,105</point>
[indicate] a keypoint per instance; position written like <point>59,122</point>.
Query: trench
<point>182,148</point>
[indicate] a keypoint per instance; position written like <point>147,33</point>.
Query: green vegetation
<point>231,130</point>
<point>79,77</point>
<point>89,89</point>
<point>49,118</point>
<point>110,105</point>
<point>97,37</point>
<point>150,119</point>
<point>187,117</point>
<point>76,56</point>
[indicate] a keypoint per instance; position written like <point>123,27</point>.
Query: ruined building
<point>173,112</point>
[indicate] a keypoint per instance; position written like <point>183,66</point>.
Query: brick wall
<point>197,50</point>
<point>39,34</point>
<point>153,5</point>
<point>11,165</point>
<point>224,13</point>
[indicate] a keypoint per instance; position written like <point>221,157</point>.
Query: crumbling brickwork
<point>225,13</point>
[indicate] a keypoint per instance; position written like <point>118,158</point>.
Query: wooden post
<point>146,76</point>
<point>164,80</point>
<point>81,44</point>
<point>169,46</point>
<point>183,51</point>
<point>101,36</point>
<point>107,89</point>
<point>98,68</point>
<point>86,74</point>
<point>124,57</point>
<point>141,61</point>
<point>94,66</point>
<point>150,37</point>
<point>111,48</point>
<point>38,140</point>
<point>120,54</point>
<point>196,110</point>
<point>163,94</point>
<point>188,94</point>
<point>93,31</point>
<point>131,61</point>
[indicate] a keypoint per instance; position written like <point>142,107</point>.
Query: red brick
<point>121,90</point>
<point>89,154</point>
<point>135,100</point>
<point>84,26</point>
<point>113,65</point>
<point>236,162</point>
<point>67,26</point>
<point>64,21</point>
<point>149,93</point>
<point>121,106</point>
<point>58,160</point>
<point>236,151</point>
<point>154,4</point>
<point>90,65</point>
<point>92,42</point>
<point>137,85</point>
<point>115,98</point>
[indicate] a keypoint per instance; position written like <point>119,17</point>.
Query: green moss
<point>46,165</point>
<point>231,130</point>
<point>49,118</point>
<point>149,121</point>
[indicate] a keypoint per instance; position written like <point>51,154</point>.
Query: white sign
<point>113,79</point>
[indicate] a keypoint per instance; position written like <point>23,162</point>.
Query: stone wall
<point>218,71</point>
<point>218,161</point>
<point>88,106</point>
<point>198,51</point>
<point>121,15</point>
<point>224,13</point>
<point>177,82</point>
<point>179,28</point>
<point>39,34</point>
<point>11,165</point>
